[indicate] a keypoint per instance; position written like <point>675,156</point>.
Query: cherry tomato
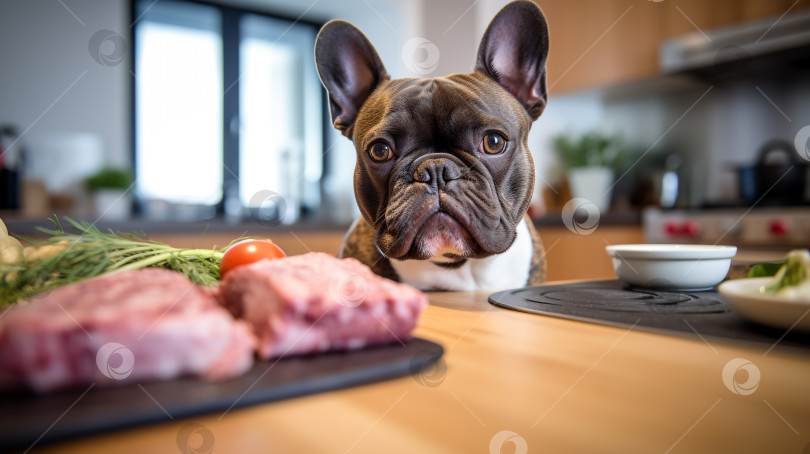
<point>247,252</point>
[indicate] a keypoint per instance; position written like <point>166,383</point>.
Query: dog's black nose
<point>437,171</point>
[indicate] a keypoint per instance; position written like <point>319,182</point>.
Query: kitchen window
<point>229,113</point>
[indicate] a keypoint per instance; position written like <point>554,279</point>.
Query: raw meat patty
<point>126,327</point>
<point>316,302</point>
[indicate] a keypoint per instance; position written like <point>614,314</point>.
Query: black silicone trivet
<point>29,419</point>
<point>695,314</point>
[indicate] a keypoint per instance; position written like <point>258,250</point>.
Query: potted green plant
<point>109,188</point>
<point>591,161</point>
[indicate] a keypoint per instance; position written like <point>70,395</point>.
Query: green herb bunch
<point>109,178</point>
<point>64,258</point>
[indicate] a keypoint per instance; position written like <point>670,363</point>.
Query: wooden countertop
<point>553,385</point>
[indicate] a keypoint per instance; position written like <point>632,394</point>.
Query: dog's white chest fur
<point>509,269</point>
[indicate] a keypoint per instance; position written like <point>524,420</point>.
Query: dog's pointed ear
<point>349,68</point>
<point>514,50</point>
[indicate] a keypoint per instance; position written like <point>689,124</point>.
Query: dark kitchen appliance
<point>763,45</point>
<point>30,420</point>
<point>779,177</point>
<point>698,315</point>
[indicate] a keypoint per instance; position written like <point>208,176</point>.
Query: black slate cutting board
<point>699,315</point>
<point>29,419</point>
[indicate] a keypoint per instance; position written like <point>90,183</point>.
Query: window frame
<point>231,38</point>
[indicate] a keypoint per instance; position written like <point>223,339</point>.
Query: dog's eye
<point>380,152</point>
<point>492,143</point>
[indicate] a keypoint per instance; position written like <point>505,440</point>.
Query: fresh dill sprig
<point>64,258</point>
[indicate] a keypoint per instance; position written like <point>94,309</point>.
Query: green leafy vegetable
<point>795,270</point>
<point>64,258</point>
<point>765,269</point>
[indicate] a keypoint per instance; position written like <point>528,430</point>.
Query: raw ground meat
<point>126,327</point>
<point>316,302</point>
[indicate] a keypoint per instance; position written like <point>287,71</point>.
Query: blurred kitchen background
<point>155,114</point>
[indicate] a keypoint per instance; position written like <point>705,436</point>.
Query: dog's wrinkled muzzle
<point>445,208</point>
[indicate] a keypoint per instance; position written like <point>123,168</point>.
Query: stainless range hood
<point>756,45</point>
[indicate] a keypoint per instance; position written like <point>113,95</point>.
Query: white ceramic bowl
<point>671,266</point>
<point>748,298</point>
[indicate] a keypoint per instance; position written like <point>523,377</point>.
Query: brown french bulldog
<point>444,175</point>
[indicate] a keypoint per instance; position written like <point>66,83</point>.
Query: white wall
<point>50,83</point>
